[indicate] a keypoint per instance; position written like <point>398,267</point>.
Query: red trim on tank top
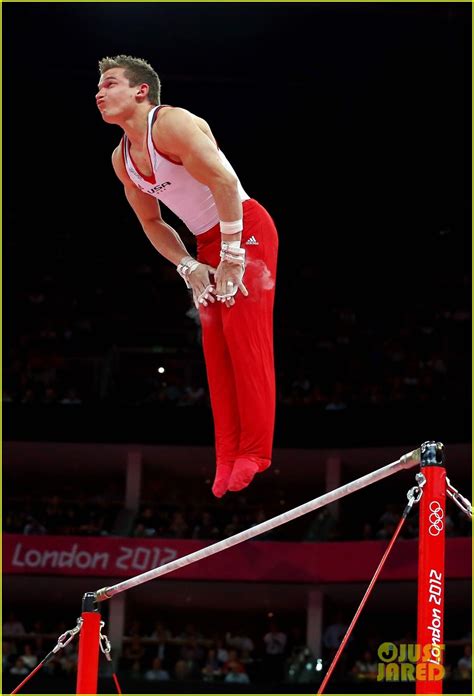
<point>122,143</point>
<point>162,154</point>
<point>150,179</point>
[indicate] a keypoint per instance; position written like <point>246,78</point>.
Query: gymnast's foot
<point>244,470</point>
<point>221,480</point>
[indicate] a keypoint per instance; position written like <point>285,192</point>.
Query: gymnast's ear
<point>142,91</point>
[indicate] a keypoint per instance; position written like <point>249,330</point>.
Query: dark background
<point>350,122</point>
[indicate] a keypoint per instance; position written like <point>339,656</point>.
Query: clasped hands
<point>227,281</point>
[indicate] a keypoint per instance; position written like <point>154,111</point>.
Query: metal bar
<point>407,461</point>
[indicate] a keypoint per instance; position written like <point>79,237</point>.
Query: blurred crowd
<point>275,654</point>
<point>131,336</point>
<point>183,517</point>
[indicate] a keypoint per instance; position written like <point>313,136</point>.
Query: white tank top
<point>172,185</point>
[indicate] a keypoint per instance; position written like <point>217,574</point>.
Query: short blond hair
<point>137,72</point>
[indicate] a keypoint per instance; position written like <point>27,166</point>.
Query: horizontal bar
<point>407,461</point>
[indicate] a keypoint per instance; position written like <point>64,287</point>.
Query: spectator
<point>367,532</point>
<point>190,633</point>
<point>296,641</point>
<point>147,522</point>
<point>274,640</point>
<point>135,629</point>
<point>390,515</point>
<point>29,397</point>
<point>233,663</point>
<point>8,651</point>
<point>160,632</point>
<point>387,531</point>
<point>12,627</point>
<point>28,657</point>
<point>333,634</point>
<point>323,527</point>
<point>235,676</point>
<point>19,669</point>
<point>233,527</point>
<point>240,641</point>
<point>365,668</point>
<point>331,639</point>
<point>464,666</point>
<point>193,395</point>
<point>275,646</point>
<point>50,396</point>
<point>212,666</point>
<point>135,670</point>
<point>205,529</point>
<point>139,531</point>
<point>182,670</point>
<point>134,652</point>
<point>32,526</point>
<point>388,521</point>
<point>258,518</point>
<point>221,650</point>
<point>156,673</point>
<point>246,658</point>
<point>93,524</point>
<point>337,402</point>
<point>71,398</point>
<point>68,659</point>
<point>178,528</point>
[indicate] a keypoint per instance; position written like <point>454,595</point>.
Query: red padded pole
<point>431,549</point>
<point>89,643</point>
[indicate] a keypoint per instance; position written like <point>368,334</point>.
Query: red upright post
<point>429,669</point>
<point>89,642</point>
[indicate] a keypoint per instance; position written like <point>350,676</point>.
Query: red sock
<point>244,470</point>
<point>221,480</point>
<point>263,464</point>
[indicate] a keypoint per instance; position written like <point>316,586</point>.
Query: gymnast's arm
<point>147,209</point>
<point>179,134</point>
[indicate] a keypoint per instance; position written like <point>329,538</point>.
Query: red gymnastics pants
<point>238,343</point>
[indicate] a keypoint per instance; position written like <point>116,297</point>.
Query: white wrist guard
<point>231,227</point>
<point>186,266</point>
<point>232,254</point>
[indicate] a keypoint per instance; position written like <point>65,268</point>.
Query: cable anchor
<point>415,493</point>
<point>458,499</point>
<point>66,637</point>
<point>104,643</point>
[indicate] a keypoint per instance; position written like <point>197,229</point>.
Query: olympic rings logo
<point>436,518</point>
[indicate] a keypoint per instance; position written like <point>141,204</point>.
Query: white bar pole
<point>407,461</point>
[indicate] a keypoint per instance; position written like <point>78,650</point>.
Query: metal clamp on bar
<point>101,595</point>
<point>407,461</point>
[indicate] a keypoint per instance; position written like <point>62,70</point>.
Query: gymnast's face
<point>116,99</point>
